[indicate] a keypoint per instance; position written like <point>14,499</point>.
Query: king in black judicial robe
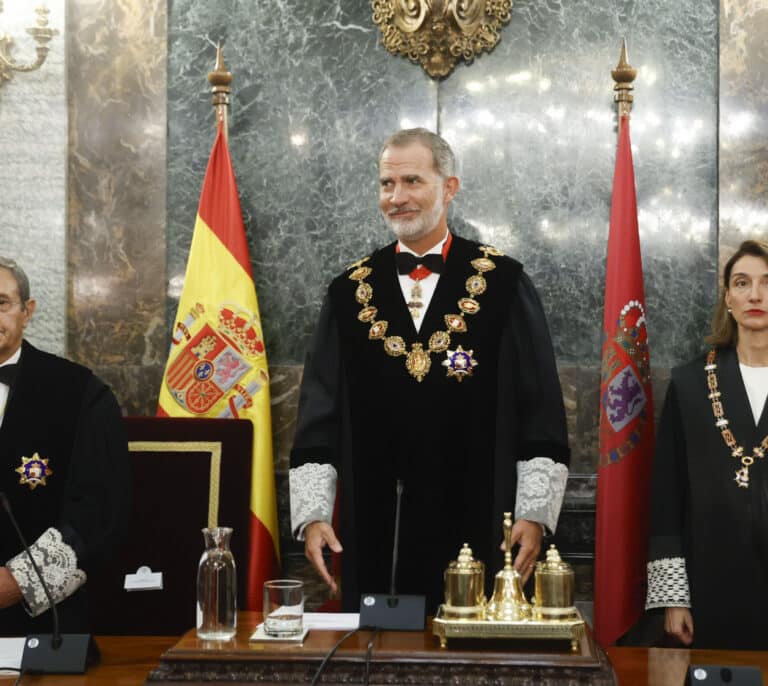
<point>699,513</point>
<point>65,414</point>
<point>454,444</point>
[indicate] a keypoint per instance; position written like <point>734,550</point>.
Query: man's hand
<point>528,535</point>
<point>10,593</point>
<point>317,535</point>
<point>678,621</point>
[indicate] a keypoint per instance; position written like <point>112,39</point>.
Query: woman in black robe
<point>708,566</point>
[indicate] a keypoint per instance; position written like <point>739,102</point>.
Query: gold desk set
<point>467,614</point>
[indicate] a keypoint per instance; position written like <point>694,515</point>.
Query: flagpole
<point>220,79</point>
<point>623,76</point>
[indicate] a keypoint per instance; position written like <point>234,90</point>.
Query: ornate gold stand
<point>571,629</point>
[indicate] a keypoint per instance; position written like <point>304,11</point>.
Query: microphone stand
<point>54,653</point>
<point>391,611</point>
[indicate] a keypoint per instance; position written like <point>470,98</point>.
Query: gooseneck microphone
<point>56,637</point>
<point>49,654</point>
<point>392,611</point>
<point>396,542</point>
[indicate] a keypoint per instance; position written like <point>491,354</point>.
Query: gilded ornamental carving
<point>437,33</point>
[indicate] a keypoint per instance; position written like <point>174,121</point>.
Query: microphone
<point>56,653</point>
<point>390,611</point>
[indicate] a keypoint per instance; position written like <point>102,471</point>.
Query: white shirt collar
<point>437,248</point>
<point>13,359</point>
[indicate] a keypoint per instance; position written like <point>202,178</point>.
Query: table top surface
<point>127,660</point>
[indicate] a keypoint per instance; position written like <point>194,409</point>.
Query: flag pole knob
<point>220,79</point>
<point>623,75</point>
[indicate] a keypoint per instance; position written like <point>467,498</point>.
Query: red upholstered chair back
<point>187,474</point>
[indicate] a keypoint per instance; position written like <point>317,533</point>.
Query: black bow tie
<point>407,262</point>
<point>8,374</point>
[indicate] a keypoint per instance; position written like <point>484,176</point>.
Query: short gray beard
<point>415,229</point>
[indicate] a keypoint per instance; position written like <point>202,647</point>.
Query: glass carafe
<point>217,587</point>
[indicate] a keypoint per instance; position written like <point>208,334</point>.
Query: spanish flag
<point>217,365</point>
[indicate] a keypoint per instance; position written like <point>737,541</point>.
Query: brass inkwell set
<point>467,614</point>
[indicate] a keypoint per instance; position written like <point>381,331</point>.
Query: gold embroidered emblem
<point>490,250</point>
<point>367,314</point>
<point>377,330</point>
<point>439,341</point>
<point>469,305</point>
<point>33,471</point>
<point>418,362</point>
<point>476,284</point>
<point>394,346</point>
<point>363,293</point>
<point>358,263</point>
<point>456,323</point>
<point>360,273</point>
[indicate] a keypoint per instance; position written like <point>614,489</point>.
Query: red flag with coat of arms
<point>217,365</point>
<point>626,418</point>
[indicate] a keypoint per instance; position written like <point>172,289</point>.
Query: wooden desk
<point>127,661</point>
<point>397,657</point>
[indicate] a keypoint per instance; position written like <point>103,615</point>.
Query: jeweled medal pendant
<point>418,362</point>
<point>742,477</point>
<point>459,363</point>
<point>33,471</point>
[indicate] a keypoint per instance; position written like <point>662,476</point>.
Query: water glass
<point>283,607</point>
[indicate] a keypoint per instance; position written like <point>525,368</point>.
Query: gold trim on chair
<point>213,448</point>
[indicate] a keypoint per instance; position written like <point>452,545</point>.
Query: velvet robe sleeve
<point>528,373</point>
<point>667,574</point>
<point>317,430</point>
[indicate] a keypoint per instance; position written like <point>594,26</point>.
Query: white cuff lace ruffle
<point>667,583</point>
<point>57,563</point>
<point>540,490</point>
<point>313,492</point>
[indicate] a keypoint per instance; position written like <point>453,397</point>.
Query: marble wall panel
<point>314,95</point>
<point>117,172</point>
<point>743,123</point>
<point>33,166</point>
<point>534,124</point>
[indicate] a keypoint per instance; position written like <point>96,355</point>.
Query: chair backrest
<point>187,474</point>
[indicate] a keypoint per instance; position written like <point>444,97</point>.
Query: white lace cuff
<point>540,490</point>
<point>313,492</point>
<point>667,583</point>
<point>57,563</point>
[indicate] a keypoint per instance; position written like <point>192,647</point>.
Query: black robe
<point>61,411</point>
<point>455,444</point>
<point>699,513</point>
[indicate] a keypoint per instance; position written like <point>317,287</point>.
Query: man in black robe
<point>432,364</point>
<point>65,472</point>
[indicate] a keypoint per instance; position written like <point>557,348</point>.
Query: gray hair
<point>443,158</point>
<point>22,282</point>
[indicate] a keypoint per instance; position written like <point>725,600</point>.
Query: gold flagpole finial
<point>220,79</point>
<point>623,75</point>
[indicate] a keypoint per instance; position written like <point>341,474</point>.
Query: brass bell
<point>508,603</point>
<point>465,587</point>
<point>553,597</point>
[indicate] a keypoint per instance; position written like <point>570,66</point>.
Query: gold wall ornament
<point>436,33</point>
<point>41,32</point>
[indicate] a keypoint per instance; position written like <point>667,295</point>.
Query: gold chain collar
<point>417,360</point>
<point>737,451</point>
